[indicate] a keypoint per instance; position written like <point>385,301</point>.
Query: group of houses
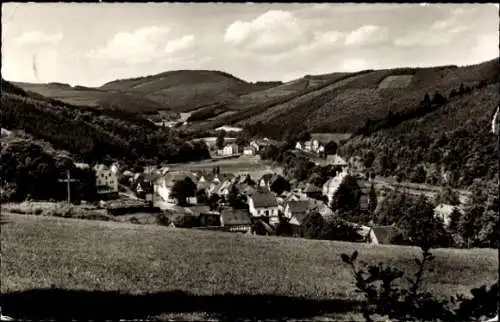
<point>318,141</point>
<point>231,148</point>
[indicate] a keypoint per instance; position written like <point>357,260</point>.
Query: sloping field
<point>346,107</point>
<point>54,267</point>
<point>396,81</point>
<point>94,97</point>
<point>285,107</point>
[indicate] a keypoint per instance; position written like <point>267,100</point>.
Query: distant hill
<point>173,92</point>
<point>344,104</point>
<point>92,134</point>
<point>87,96</point>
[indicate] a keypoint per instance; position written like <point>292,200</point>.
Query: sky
<point>90,44</point>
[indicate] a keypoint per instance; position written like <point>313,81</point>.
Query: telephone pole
<point>68,181</point>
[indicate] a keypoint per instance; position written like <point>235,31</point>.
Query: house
<point>308,146</point>
<point>236,220</point>
<point>313,191</point>
<point>298,146</point>
<point>230,149</point>
<point>335,161</point>
<point>106,180</point>
<point>248,150</point>
<point>297,212</point>
<point>385,235</point>
<point>263,204</point>
<point>296,209</point>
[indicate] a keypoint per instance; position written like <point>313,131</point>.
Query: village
<point>240,201</point>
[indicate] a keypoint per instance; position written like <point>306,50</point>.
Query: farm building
<point>264,204</point>
<point>236,220</point>
<point>106,180</point>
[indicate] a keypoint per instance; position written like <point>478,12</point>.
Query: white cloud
<point>180,44</point>
<point>138,46</point>
<point>367,35</point>
<point>39,38</point>
<point>272,32</point>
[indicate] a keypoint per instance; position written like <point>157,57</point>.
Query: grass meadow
<point>63,268</point>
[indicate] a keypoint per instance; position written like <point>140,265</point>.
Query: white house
<point>106,179</point>
<point>264,204</point>
<point>248,150</point>
<point>230,149</point>
<point>298,146</point>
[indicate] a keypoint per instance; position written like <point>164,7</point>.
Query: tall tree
<point>220,139</point>
<point>183,189</point>
<point>372,201</point>
<point>331,148</point>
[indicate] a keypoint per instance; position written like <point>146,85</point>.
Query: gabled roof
<point>298,206</point>
<point>385,234</point>
<point>264,198</point>
<point>233,217</point>
<point>335,160</point>
<point>299,217</point>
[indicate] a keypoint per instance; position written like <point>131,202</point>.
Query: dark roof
<point>266,226</point>
<point>298,206</point>
<point>231,217</point>
<point>264,198</point>
<point>327,137</point>
<point>385,234</point>
<point>300,216</point>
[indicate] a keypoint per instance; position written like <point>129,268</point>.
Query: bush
<point>384,298</point>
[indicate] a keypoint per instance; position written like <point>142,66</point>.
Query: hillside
<point>346,104</point>
<point>90,269</point>
<point>216,94</point>
<point>451,144</point>
<point>89,133</point>
<point>86,96</point>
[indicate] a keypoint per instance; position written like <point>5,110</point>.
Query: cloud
<point>39,38</point>
<point>272,32</point>
<point>441,32</point>
<point>180,44</point>
<point>141,45</point>
<point>367,35</point>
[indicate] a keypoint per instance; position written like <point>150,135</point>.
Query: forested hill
<point>92,135</point>
<point>448,140</point>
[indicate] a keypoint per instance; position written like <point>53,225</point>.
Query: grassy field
<point>61,268</point>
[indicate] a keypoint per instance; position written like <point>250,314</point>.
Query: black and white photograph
<point>225,161</point>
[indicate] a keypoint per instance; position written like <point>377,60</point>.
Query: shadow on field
<point>67,304</point>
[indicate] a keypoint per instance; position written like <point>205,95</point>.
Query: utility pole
<point>68,181</point>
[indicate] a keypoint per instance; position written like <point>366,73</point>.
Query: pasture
<point>62,268</point>
<point>396,81</point>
